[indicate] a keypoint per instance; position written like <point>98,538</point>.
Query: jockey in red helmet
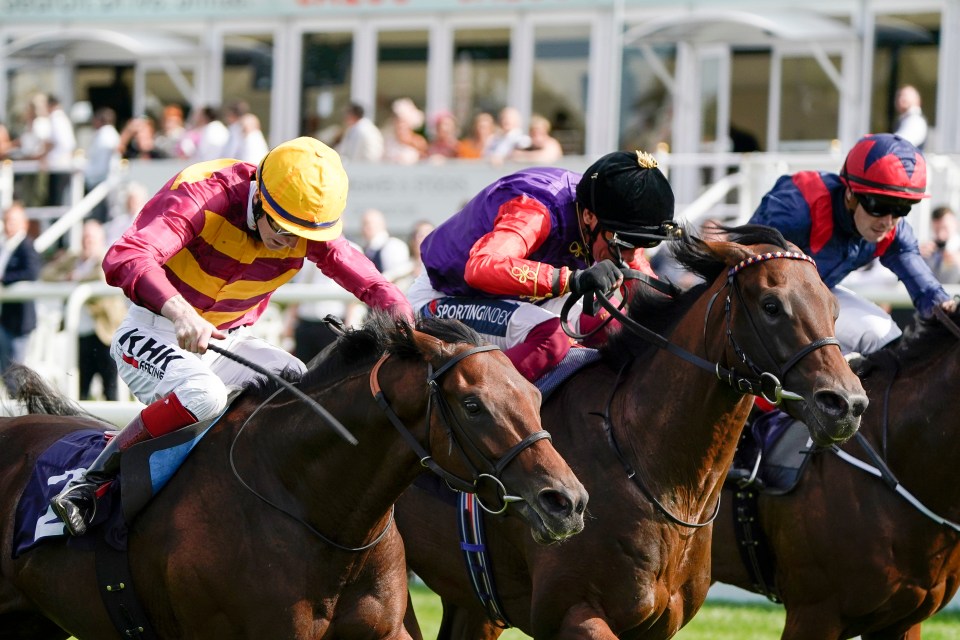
<point>504,263</point>
<point>845,221</point>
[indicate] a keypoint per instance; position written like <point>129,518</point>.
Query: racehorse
<point>852,555</point>
<point>651,436</point>
<point>274,527</point>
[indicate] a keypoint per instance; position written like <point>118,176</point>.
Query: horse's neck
<point>922,427</point>
<point>691,422</point>
<point>336,486</point>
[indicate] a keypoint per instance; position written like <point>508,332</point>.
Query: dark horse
<point>212,560</point>
<point>851,555</point>
<point>651,436</point>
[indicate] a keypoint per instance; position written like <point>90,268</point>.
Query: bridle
<point>460,438</point>
<point>764,384</point>
<point>760,383</point>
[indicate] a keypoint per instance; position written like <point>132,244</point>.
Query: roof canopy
<point>738,27</point>
<point>99,45</point>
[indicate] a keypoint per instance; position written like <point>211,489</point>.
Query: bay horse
<point>651,436</point>
<point>852,555</point>
<point>276,528</point>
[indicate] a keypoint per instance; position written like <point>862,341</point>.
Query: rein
<point>284,511</point>
<point>490,470</point>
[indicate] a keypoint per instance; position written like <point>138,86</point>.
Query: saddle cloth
<point>145,470</point>
<point>576,359</point>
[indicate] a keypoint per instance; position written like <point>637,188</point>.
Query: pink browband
<point>771,255</point>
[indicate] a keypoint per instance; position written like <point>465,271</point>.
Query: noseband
<point>460,437</point>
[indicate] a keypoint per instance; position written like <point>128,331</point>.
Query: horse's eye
<point>771,308</point>
<point>472,405</point>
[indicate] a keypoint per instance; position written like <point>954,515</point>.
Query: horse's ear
<point>428,345</point>
<point>730,253</point>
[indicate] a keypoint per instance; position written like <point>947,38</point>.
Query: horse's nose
<point>562,502</point>
<point>841,405</point>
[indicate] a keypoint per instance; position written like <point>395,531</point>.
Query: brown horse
<point>313,554</point>
<point>651,436</point>
<point>853,556</point>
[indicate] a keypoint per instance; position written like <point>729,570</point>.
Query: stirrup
<point>76,506</point>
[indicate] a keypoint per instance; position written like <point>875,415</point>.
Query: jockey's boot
<point>77,503</point>
<point>542,350</point>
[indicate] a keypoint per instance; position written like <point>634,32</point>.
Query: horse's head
<point>777,318</point>
<point>484,421</point>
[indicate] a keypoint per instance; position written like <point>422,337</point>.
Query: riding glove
<point>601,277</point>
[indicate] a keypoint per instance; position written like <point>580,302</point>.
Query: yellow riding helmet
<point>303,187</point>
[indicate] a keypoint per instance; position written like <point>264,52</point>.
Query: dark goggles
<point>878,208</point>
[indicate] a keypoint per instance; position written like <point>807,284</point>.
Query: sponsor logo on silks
<point>146,354</point>
<point>490,317</point>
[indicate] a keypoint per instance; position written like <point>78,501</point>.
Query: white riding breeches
<point>152,364</point>
<point>862,326</point>
<point>503,322</point>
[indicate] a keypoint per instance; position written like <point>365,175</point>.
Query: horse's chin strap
<point>491,471</point>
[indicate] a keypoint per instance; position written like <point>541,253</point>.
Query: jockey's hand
<point>950,306</point>
<point>193,332</point>
<point>602,277</point>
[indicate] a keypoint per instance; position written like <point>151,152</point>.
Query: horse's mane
<point>357,348</point>
<point>660,313</point>
<point>38,396</point>
<point>921,340</point>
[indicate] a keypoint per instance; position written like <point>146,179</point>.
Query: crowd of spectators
<point>409,137</point>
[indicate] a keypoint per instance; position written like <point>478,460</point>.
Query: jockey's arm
<point>904,259</point>
<point>499,263</point>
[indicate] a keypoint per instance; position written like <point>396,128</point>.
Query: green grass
<point>715,621</point>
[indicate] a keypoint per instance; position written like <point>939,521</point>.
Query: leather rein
<point>459,437</point>
<point>764,384</point>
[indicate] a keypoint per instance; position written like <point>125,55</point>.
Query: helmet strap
<point>588,235</point>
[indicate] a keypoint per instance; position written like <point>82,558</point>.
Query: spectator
<point>232,116</point>
<point>33,144</point>
<point>102,155</point>
<point>845,221</point>
<point>388,254</point>
<point>264,221</point>
<point>444,142</point>
<point>99,318</point>
<point>421,229</point>
<point>253,146</point>
<point>208,137</point>
<point>942,251</point>
<point>19,262</point>
<point>402,143</point>
<point>138,140</point>
<point>171,131</point>
<point>58,153</point>
<point>361,140</point>
<point>911,124</point>
<point>305,320</point>
<point>482,130</point>
<point>6,143</point>
<point>135,197</point>
<point>543,148</point>
<point>509,137</point>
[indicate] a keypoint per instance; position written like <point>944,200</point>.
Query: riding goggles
<point>642,236</point>
<point>882,208</point>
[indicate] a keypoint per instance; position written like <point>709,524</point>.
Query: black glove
<point>601,277</point>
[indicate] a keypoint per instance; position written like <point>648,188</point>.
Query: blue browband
<point>286,215</point>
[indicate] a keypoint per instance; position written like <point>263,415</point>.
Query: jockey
<point>845,221</point>
<point>200,263</point>
<point>504,263</point>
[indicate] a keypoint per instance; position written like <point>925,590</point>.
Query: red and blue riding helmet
<point>884,164</point>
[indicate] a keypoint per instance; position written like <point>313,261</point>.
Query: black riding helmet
<point>631,197</point>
